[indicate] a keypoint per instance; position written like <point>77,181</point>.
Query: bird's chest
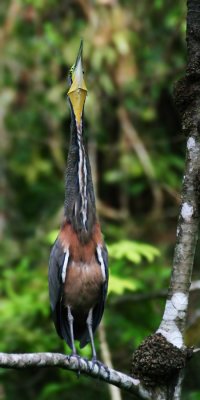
<point>83,284</point>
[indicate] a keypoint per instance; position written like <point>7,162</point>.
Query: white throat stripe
<point>82,174</point>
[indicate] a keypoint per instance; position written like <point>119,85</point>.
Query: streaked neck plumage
<point>80,208</point>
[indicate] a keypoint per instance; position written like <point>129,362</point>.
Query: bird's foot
<point>78,358</point>
<point>100,365</point>
<point>87,362</point>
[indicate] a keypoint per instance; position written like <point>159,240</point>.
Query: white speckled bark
<point>187,97</point>
<point>41,360</point>
<point>191,143</point>
<point>175,310</point>
<point>186,212</point>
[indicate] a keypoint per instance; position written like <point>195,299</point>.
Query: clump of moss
<point>156,360</point>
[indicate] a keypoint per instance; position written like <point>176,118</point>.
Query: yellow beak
<point>78,90</point>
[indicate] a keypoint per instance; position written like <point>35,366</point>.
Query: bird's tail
<point>85,339</point>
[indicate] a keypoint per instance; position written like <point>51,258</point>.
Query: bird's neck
<point>80,208</point>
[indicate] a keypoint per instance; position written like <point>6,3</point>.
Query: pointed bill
<point>78,90</point>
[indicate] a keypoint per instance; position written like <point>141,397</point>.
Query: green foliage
<point>128,270</point>
<point>119,285</point>
<point>133,251</point>
<point>193,396</point>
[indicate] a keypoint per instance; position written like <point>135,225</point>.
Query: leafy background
<point>133,54</point>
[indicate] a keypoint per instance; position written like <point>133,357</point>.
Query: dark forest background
<point>134,52</point>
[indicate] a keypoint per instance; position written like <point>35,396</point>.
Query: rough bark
<point>187,98</point>
<point>76,364</point>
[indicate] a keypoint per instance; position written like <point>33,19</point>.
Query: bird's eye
<point>71,69</point>
<point>70,75</point>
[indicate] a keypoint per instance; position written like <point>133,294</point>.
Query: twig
<point>195,285</point>
<point>13,11</point>
<point>138,146</point>
<point>108,212</point>
<point>172,193</point>
<point>138,296</point>
<point>141,296</point>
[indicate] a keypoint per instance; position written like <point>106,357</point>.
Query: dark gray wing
<point>99,308</point>
<point>56,261</point>
<point>59,314</point>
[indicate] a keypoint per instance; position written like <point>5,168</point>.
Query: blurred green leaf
<point>133,251</point>
<point>119,285</point>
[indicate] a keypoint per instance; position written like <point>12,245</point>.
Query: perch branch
<point>42,360</point>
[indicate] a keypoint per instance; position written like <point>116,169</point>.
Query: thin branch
<point>138,147</point>
<point>136,143</point>
<point>141,296</point>
<point>108,212</point>
<point>13,10</point>
<point>172,193</point>
<point>195,285</point>
<point>138,297</point>
<point>52,360</point>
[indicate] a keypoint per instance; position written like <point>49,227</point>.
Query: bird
<point>78,264</point>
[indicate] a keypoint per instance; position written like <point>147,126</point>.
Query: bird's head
<point>78,91</point>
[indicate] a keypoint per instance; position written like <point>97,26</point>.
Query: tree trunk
<point>187,98</point>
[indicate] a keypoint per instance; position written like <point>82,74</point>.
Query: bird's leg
<point>94,354</point>
<point>74,353</point>
<point>71,320</point>
<point>89,325</point>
